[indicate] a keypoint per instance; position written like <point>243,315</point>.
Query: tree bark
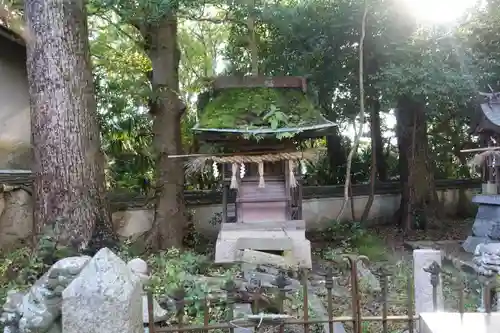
<point>337,156</point>
<point>419,200</point>
<point>170,217</point>
<point>372,68</point>
<point>404,141</point>
<point>69,188</point>
<point>374,122</point>
<point>378,148</point>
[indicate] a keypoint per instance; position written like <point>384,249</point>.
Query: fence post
<point>281,282</point>
<point>424,295</point>
<point>230,288</point>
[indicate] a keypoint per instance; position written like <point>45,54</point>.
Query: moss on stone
<point>253,108</point>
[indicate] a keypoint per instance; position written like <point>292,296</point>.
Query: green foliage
<point>172,270</point>
<point>321,173</point>
<point>199,43</point>
<point>258,108</point>
<point>427,67</point>
<point>351,237</point>
<point>195,240</point>
<point>122,93</point>
<point>317,39</point>
<point>21,267</point>
<point>18,270</point>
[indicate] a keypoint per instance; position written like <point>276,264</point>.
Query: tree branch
<point>117,27</point>
<point>361,115</point>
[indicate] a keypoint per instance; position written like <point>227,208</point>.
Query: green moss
<point>253,108</point>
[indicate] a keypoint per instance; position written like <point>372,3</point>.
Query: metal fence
<point>481,290</point>
<point>262,320</point>
<point>259,297</point>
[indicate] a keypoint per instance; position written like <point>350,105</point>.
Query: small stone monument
<point>422,260</point>
<point>140,268</point>
<point>105,297</point>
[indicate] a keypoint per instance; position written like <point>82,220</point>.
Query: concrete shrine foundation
<point>286,236</point>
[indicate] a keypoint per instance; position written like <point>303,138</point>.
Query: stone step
<point>265,225</point>
<point>265,244</point>
<point>262,258</point>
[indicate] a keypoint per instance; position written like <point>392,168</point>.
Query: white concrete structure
<point>422,259</point>
<point>447,322</point>
<point>287,236</point>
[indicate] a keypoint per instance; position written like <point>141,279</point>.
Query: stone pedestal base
<point>489,189</point>
<point>288,237</point>
<point>486,228</point>
<point>470,244</point>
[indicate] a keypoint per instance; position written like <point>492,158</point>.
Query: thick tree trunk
<point>404,141</point>
<point>170,217</point>
<point>337,156</point>
<point>419,198</point>
<point>69,188</point>
<point>372,68</point>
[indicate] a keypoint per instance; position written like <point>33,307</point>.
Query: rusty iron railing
<point>256,296</point>
<point>489,289</point>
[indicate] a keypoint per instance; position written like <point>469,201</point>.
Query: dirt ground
<point>450,229</point>
<point>390,252</point>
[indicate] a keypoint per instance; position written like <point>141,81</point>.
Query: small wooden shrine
<point>256,125</point>
<point>486,124</point>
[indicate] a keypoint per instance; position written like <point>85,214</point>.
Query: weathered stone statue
<point>487,259</point>
<point>487,263</point>
<point>11,315</point>
<point>39,309</point>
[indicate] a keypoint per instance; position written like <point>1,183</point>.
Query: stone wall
<point>317,212</point>
<point>15,148</point>
<point>16,217</point>
<point>16,220</point>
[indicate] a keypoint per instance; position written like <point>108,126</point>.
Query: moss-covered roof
<point>270,109</point>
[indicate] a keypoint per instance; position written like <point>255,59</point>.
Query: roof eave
<point>309,132</point>
<point>11,35</point>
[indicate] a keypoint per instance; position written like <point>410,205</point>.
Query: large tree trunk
<point>170,217</point>
<point>372,68</point>
<point>337,156</point>
<point>404,141</point>
<point>69,189</point>
<point>419,199</point>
